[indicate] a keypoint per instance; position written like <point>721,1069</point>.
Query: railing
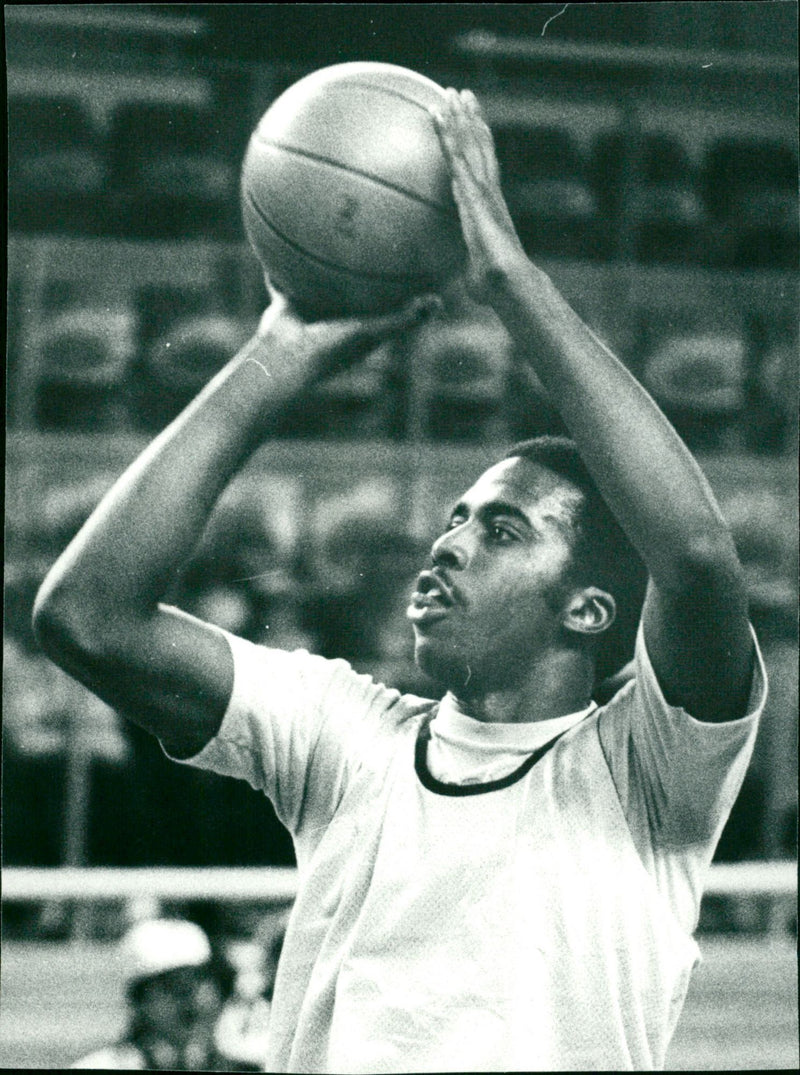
<point>271,884</point>
<point>774,883</point>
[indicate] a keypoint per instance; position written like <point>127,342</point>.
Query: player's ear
<point>590,611</point>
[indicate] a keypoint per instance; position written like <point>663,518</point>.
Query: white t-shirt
<point>539,920</point>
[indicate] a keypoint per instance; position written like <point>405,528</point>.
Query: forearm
<point>123,560</point>
<point>641,466</point>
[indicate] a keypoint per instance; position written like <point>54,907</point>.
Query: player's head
<point>532,565</point>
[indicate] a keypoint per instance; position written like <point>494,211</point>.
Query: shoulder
<point>677,774</point>
<point>299,679</point>
<point>297,667</point>
<point>308,701</point>
<point>636,688</point>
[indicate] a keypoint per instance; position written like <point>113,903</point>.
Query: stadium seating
<point>772,415</point>
<point>355,403</point>
<point>179,361</point>
<point>750,192</point>
<point>84,356</point>
<point>56,169</point>
<point>649,180</point>
<point>169,172</point>
<point>462,377</point>
<point>699,380</point>
<point>552,205</point>
<point>666,209</point>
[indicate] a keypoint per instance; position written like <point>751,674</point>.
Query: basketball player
<point>508,880</point>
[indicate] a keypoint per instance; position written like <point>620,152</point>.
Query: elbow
<point>53,622</point>
<point>82,628</point>
<point>64,627</point>
<point>708,563</point>
<point>713,552</point>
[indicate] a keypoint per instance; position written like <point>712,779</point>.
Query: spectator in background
<point>175,999</point>
<point>243,1027</point>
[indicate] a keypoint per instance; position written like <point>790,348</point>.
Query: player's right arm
<point>99,612</point>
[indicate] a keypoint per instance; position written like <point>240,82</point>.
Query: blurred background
<point>649,157</point>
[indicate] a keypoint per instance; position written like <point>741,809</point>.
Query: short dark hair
<point>602,554</point>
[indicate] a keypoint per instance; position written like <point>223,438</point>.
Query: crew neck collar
<point>454,725</point>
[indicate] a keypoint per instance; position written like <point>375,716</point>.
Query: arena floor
<point>59,1000</point>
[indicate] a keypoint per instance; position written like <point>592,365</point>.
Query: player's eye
<point>500,533</point>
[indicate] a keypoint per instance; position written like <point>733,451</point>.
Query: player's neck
<point>559,685</point>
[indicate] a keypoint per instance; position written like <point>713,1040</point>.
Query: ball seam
<point>391,277</point>
<point>380,181</point>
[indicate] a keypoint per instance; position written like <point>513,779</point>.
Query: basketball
<point>346,196</point>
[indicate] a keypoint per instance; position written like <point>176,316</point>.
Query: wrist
<point>519,282</point>
<point>242,401</point>
<point>529,303</point>
<point>286,364</point>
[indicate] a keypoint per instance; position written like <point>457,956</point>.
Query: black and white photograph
<point>400,652</point>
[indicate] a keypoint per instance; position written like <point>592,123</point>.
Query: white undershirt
<point>463,750</point>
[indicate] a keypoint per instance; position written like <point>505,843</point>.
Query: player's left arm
<point>695,615</point>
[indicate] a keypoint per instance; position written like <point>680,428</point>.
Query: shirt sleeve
<point>677,777</point>
<point>294,728</point>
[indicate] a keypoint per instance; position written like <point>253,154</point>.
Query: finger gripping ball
<point>346,195</point>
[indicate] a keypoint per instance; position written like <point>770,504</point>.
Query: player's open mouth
<point>436,585</point>
<point>432,598</point>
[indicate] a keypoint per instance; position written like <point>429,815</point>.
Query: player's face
<point>495,595</point>
<point>179,1004</point>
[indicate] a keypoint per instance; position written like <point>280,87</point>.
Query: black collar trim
<point>439,787</point>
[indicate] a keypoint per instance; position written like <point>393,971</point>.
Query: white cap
<point>160,945</point>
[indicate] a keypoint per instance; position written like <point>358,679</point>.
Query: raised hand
<point>493,246</point>
<point>335,344</point>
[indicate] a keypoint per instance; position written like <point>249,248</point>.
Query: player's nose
<point>451,549</point>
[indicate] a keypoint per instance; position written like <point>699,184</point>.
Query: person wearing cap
<point>175,1001</point>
